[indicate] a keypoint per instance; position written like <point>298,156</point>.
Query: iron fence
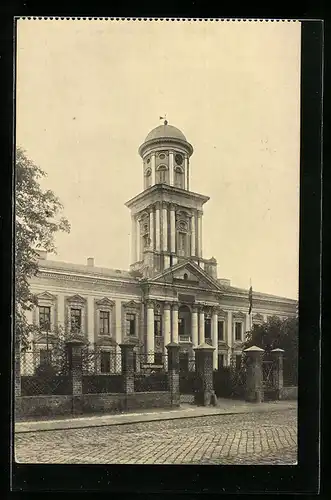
<point>101,372</point>
<point>45,373</point>
<point>150,372</point>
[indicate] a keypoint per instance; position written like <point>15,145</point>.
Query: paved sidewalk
<point>224,407</point>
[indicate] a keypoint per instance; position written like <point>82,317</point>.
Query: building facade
<point>171,293</point>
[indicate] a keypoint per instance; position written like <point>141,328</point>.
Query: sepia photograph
<point>157,183</point>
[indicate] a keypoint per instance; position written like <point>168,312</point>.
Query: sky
<point>88,93</point>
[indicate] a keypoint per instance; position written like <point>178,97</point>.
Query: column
<point>150,332</point>
<point>205,394</point>
<point>118,332</point>
<point>194,326</point>
<point>201,326</point>
<point>214,337</point>
<point>133,240</point>
<point>185,172</point>
<point>173,373</point>
<point>90,320</point>
<point>157,229</point>
<point>171,168</point>
<point>188,174</point>
<point>139,256</point>
<point>200,234</point>
<point>172,229</point>
<point>166,326</point>
<point>175,323</point>
<point>254,377</point>
<point>229,336</point>
<point>153,168</point>
<point>164,228</point>
<point>127,368</point>
<point>151,228</point>
<point>193,234</point>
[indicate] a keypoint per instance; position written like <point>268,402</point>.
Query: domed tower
<point>166,215</point>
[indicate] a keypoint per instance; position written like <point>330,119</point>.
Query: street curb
<point>85,425</point>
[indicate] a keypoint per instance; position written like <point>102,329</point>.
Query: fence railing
<point>150,372</point>
<point>101,372</point>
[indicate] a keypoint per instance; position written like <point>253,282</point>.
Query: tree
<point>277,333</point>
<point>36,222</point>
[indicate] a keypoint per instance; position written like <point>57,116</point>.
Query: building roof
<point>81,268</point>
<point>165,131</point>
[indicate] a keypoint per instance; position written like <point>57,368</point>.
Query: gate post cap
<point>172,344</point>
<point>204,347</point>
<point>277,350</point>
<point>253,349</point>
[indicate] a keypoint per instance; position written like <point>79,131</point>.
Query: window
<point>130,324</point>
<point>76,320</point>
<point>221,363</point>
<point>157,325</point>
<point>162,175</point>
<point>44,317</point>
<point>220,330</point>
<point>158,358</point>
<point>207,328</point>
<point>179,177</point>
<point>237,331</point>
<point>45,356</point>
<point>105,362</point>
<point>182,243</point>
<point>148,178</point>
<point>104,322</point>
<point>181,326</point>
<point>238,361</point>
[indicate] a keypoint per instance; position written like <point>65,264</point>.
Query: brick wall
<point>54,406</point>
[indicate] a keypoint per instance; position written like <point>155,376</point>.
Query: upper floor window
<point>157,325</point>
<point>179,177</point>
<point>44,317</point>
<point>75,320</point>
<point>162,175</point>
<point>130,324</point>
<point>104,322</point>
<point>220,330</point>
<point>238,331</point>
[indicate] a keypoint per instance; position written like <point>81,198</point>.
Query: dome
<point>165,131</point>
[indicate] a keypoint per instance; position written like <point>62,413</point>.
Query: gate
<point>187,381</point>
<point>269,389</point>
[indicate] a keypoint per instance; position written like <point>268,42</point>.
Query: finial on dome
<point>165,119</point>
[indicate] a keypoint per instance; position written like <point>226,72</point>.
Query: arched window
<point>148,178</point>
<point>179,177</point>
<point>162,175</point>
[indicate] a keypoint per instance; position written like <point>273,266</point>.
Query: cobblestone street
<point>256,438</point>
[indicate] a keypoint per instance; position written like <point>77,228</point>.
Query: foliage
<point>36,222</point>
<point>282,334</point>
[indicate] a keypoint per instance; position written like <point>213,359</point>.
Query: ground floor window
<point>238,361</point>
<point>158,358</point>
<point>45,356</point>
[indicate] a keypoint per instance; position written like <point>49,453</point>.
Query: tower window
<point>162,175</point>
<point>148,178</point>
<point>179,177</point>
<point>182,250</point>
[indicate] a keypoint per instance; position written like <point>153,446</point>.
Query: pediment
<point>46,296</point>
<point>77,299</point>
<point>239,315</point>
<point>105,302</point>
<point>187,273</point>
<point>131,305</point>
